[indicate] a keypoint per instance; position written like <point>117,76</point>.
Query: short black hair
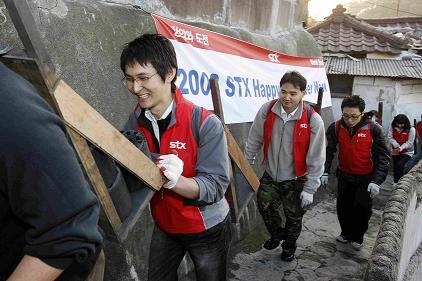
<point>401,119</point>
<point>154,49</point>
<point>295,78</point>
<point>353,101</point>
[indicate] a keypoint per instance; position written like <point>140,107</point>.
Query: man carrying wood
<point>188,143</point>
<point>292,135</point>
<point>48,215</point>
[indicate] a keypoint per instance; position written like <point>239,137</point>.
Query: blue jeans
<point>208,251</point>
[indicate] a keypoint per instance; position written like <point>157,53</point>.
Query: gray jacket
<point>280,163</point>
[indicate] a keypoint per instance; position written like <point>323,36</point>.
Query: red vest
<point>355,154</point>
<point>167,207</point>
<point>401,137</point>
<point>301,136</point>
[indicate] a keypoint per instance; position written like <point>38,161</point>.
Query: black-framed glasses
<point>140,80</point>
<point>351,116</point>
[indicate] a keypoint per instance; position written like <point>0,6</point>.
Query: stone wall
<point>397,252</point>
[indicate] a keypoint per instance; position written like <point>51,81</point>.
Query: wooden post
<point>46,79</point>
<point>243,180</point>
<point>415,141</point>
<point>380,112</point>
<point>318,106</point>
<point>109,217</point>
<point>218,110</point>
<point>25,25</point>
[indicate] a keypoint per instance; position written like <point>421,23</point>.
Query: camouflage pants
<point>284,196</point>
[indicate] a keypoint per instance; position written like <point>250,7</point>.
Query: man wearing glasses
<point>363,161</point>
<point>188,143</point>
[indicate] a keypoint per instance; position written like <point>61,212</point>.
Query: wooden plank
<point>25,25</point>
<point>231,195</point>
<point>236,154</point>
<point>318,106</point>
<point>415,141</point>
<point>380,112</point>
<point>81,117</point>
<point>244,192</point>
<point>97,182</point>
<point>216,99</point>
<point>243,180</point>
<point>28,69</point>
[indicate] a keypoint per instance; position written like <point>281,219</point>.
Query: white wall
<point>398,97</point>
<point>376,89</point>
<point>410,99</point>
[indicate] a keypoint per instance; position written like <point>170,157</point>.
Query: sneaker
<point>287,257</point>
<point>342,239</point>
<point>271,244</point>
<point>357,246</point>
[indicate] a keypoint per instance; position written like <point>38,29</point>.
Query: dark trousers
<point>286,195</point>
<point>398,165</point>
<point>208,251</point>
<point>354,205</point>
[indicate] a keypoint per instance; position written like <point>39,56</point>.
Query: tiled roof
<point>407,27</point>
<point>373,67</point>
<point>343,33</point>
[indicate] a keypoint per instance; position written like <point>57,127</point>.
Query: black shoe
<point>271,244</point>
<point>287,257</point>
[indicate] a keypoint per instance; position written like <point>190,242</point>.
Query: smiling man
<point>363,161</point>
<point>292,135</point>
<point>188,143</point>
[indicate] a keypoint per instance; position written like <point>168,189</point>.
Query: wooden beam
<point>415,141</point>
<point>81,117</point>
<point>236,154</point>
<point>97,182</point>
<point>29,69</point>
<point>25,25</point>
<point>318,106</point>
<point>380,112</point>
<point>243,180</point>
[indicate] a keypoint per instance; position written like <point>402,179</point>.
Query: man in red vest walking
<point>188,143</point>
<point>363,161</point>
<point>292,135</point>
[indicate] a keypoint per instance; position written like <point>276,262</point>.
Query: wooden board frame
<point>82,118</point>
<point>243,180</point>
<point>39,70</point>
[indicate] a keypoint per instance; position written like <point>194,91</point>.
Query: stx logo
<point>303,126</point>
<point>178,144</point>
<point>361,135</point>
<point>273,57</point>
<point>317,62</point>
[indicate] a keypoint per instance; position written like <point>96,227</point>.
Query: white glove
<point>306,198</point>
<point>374,189</point>
<point>172,168</point>
<point>324,179</point>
